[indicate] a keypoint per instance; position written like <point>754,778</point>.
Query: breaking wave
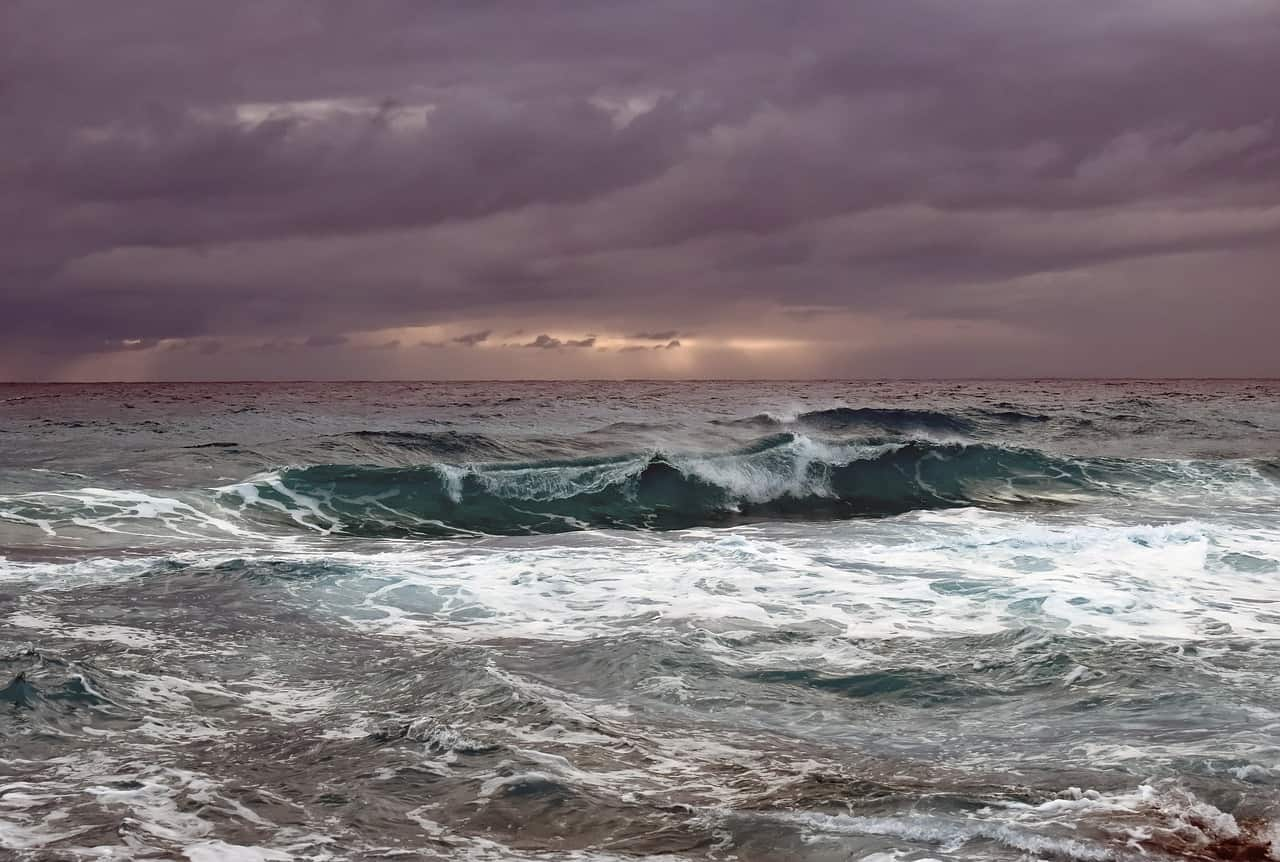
<point>781,476</point>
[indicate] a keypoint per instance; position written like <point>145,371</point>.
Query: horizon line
<point>526,380</point>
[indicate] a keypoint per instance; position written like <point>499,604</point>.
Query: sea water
<point>826,621</point>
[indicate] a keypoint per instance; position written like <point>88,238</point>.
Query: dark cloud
<point>471,339</point>
<point>252,173</point>
<point>546,342</point>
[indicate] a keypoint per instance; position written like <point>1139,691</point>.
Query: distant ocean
<point>605,621</point>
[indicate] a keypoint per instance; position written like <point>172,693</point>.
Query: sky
<point>622,189</point>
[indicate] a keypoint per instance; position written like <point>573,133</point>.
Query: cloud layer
<point>880,187</point>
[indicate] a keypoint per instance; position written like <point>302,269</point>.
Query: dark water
<point>827,621</point>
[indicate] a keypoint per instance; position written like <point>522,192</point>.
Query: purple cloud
<point>1042,171</point>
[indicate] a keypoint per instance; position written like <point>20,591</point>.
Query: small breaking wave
<point>893,420</point>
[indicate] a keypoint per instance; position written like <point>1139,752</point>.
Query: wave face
<point>783,476</point>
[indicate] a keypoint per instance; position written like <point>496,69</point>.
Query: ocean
<point>892,620</point>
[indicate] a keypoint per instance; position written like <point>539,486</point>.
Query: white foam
<point>786,470</point>
<point>126,512</point>
<point>930,574</point>
<point>952,834</point>
<point>304,510</point>
<point>961,572</point>
<point>477,849</point>
<point>48,625</point>
<point>1117,824</point>
<point>221,851</point>
<point>15,835</point>
<point>557,482</point>
<point>160,811</point>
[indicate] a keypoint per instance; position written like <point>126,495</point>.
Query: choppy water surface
<point>829,621</point>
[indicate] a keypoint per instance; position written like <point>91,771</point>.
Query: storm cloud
<point>875,187</point>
